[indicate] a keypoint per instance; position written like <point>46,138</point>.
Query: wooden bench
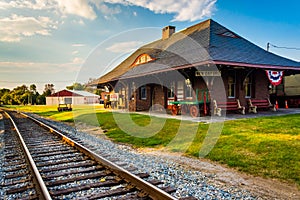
<point>107,104</point>
<point>293,102</point>
<point>228,106</point>
<point>255,104</point>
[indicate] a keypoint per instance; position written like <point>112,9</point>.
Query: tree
<point>4,94</point>
<point>33,94</point>
<point>76,86</point>
<point>41,99</point>
<point>19,95</point>
<point>22,95</point>
<point>3,91</point>
<point>92,89</point>
<point>49,89</point>
<point>6,98</point>
<point>32,88</point>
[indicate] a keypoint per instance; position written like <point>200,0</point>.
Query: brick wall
<point>261,85</point>
<point>143,104</point>
<point>156,94</point>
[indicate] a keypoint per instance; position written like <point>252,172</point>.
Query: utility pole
<point>268,46</point>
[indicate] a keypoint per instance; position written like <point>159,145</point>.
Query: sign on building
<point>207,73</point>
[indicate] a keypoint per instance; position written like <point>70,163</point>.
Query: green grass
<point>52,113</point>
<point>267,147</point>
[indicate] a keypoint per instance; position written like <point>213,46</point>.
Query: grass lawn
<point>267,147</point>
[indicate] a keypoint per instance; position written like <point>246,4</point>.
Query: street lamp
<point>187,82</point>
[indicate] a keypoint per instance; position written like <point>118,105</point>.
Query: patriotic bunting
<point>275,77</point>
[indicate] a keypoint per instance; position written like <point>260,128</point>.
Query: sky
<point>66,41</point>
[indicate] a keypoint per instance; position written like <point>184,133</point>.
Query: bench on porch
<point>107,104</point>
<point>228,106</point>
<point>255,104</point>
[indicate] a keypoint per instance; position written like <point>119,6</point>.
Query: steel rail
<point>44,193</point>
<point>153,191</point>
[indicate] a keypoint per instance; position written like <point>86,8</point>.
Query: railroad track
<point>57,167</point>
<point>18,180</point>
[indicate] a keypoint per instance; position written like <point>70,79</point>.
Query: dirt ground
<point>264,188</point>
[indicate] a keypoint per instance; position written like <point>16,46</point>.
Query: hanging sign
<point>114,96</point>
<point>207,73</point>
<point>275,77</point>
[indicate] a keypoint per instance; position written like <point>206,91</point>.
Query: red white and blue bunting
<point>275,77</point>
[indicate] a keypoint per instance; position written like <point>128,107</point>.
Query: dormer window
<point>229,34</point>
<point>144,58</point>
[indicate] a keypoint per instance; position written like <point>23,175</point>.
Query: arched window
<point>188,89</point>
<point>171,90</point>
<point>248,87</point>
<point>143,93</point>
<point>143,58</point>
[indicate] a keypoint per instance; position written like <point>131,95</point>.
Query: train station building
<point>199,65</point>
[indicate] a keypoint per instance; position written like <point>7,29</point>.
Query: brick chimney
<point>167,32</point>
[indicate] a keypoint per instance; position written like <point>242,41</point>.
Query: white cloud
<point>107,10</point>
<point>81,22</point>
<point>35,5</point>
<point>78,45</point>
<point>75,52</point>
<point>77,61</point>
<point>184,10</point>
<point>15,27</point>
<point>80,8</point>
<point>78,22</point>
<point>124,47</point>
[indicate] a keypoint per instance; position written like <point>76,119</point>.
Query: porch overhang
<point>209,63</point>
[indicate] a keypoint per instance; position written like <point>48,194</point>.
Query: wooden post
<point>204,103</point>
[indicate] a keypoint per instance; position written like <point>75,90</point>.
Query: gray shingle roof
<point>206,42</point>
<point>241,50</point>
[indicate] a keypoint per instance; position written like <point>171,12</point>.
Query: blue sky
<point>63,41</point>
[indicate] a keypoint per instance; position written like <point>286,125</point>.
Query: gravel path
<point>192,177</point>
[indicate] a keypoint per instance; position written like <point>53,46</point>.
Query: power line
<point>275,46</point>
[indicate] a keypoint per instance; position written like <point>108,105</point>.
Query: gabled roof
<point>204,43</point>
<point>68,93</point>
<point>84,93</point>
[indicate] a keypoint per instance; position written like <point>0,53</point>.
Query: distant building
<point>72,97</point>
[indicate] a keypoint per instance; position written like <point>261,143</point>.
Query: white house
<point>72,97</point>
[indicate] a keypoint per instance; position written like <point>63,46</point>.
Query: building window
<point>143,93</point>
<point>144,58</point>
<point>133,90</point>
<point>229,34</point>
<point>188,89</point>
<point>180,90</point>
<point>171,91</point>
<point>231,84</point>
<point>248,87</point>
